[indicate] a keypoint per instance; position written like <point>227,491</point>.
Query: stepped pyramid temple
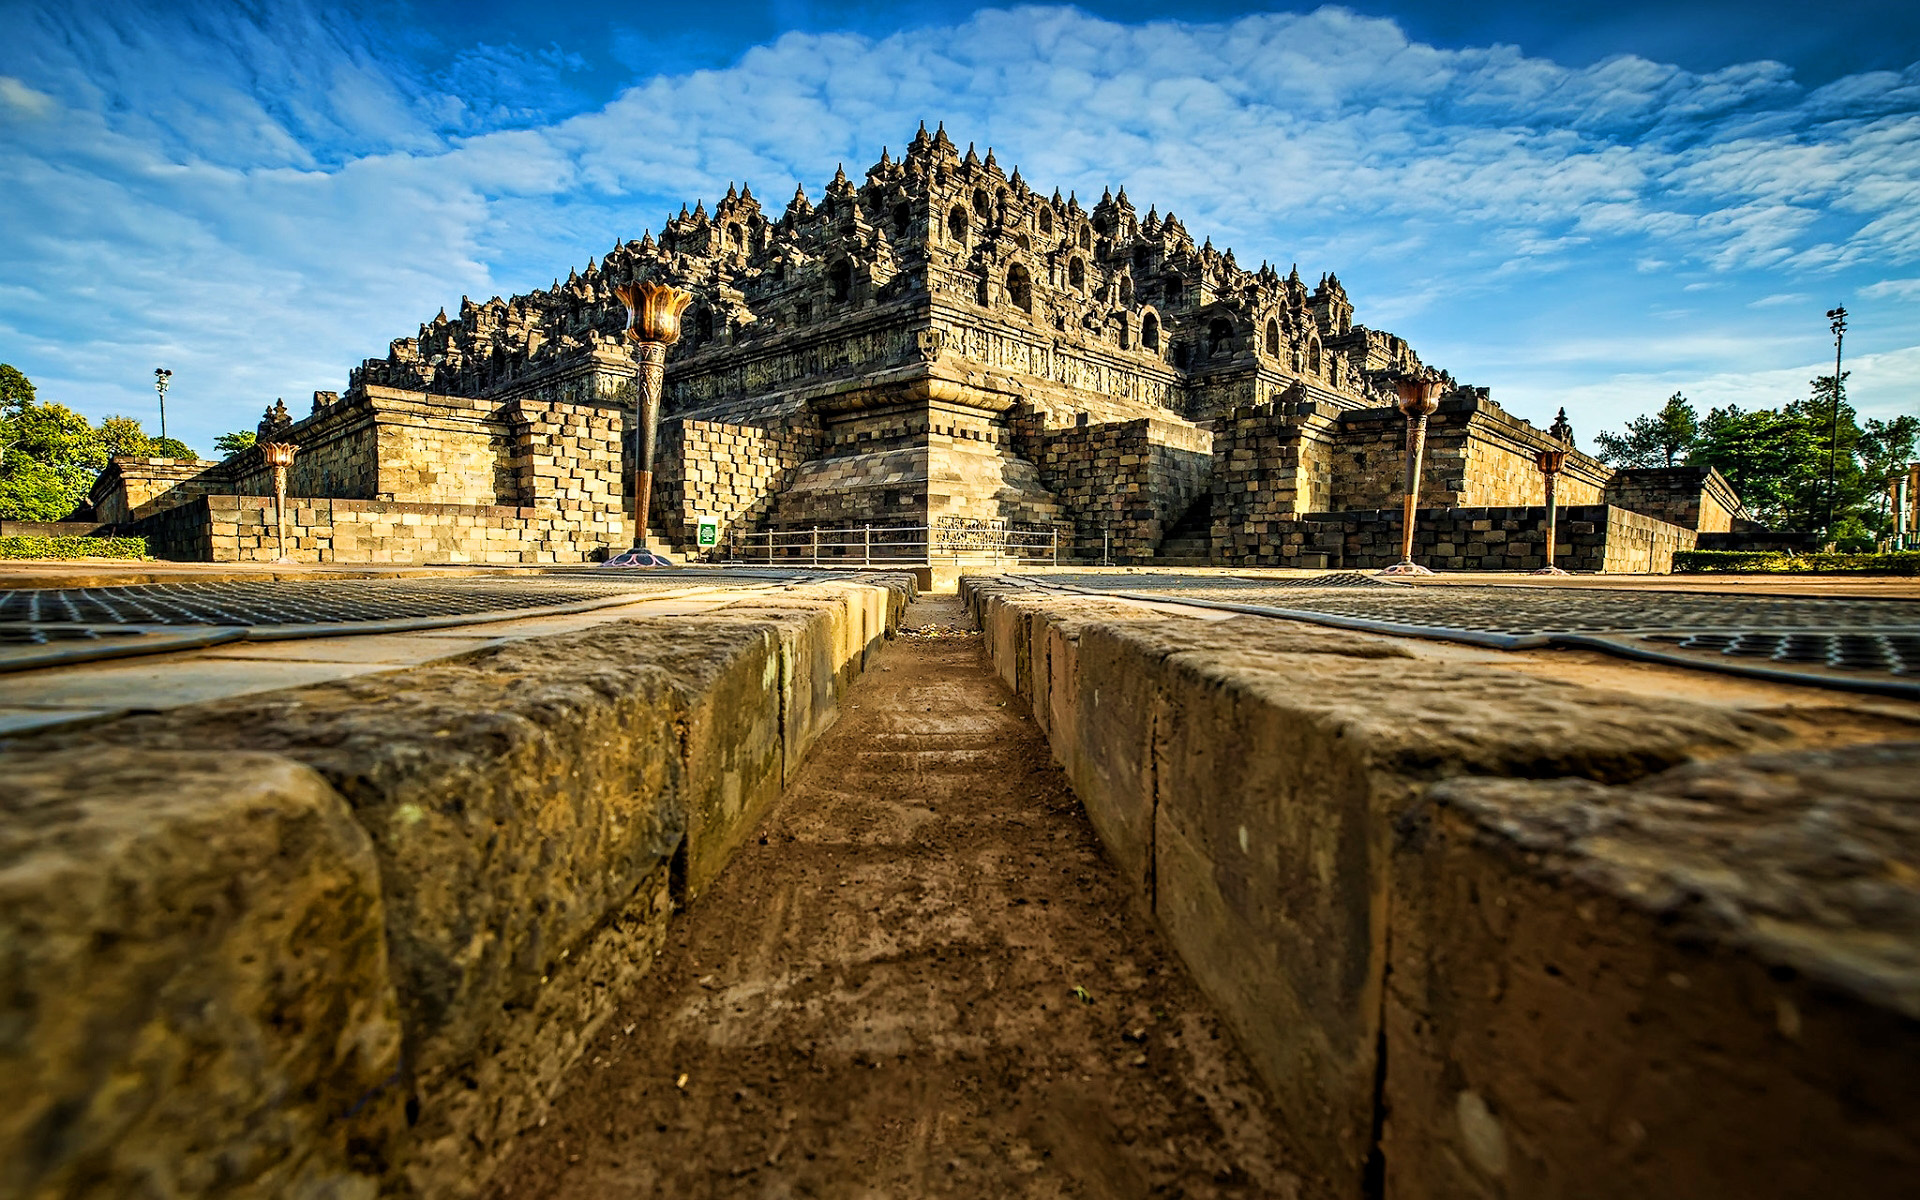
<point>939,345</point>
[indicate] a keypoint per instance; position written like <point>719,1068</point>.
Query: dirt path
<point>878,997</point>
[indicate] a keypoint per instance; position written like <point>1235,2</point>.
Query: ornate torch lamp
<point>653,324</point>
<point>279,456</point>
<point>1551,460</point>
<point>1419,397</point>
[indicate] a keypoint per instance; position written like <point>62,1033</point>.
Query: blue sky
<point>1570,208</point>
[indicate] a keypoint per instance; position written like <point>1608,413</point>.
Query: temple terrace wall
<point>1488,934</point>
<point>242,529</point>
<point>1588,537</point>
<point>346,941</point>
<point>1477,454</point>
<point>1699,498</point>
<point>1130,479</point>
<point>731,472</point>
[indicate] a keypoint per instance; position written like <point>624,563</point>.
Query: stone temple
<point>940,345</point>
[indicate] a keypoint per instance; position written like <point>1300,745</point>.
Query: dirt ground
<point>922,979</point>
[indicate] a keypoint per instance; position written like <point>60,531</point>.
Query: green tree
<point>1768,457</point>
<point>1661,439</point>
<point>16,394</point>
<point>56,455</point>
<point>1885,450</point>
<point>50,455</point>
<point>124,436</point>
<point>229,444</point>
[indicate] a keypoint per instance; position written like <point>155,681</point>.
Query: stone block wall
<point>1476,454</point>
<point>1589,537</point>
<point>918,462</point>
<point>131,488</point>
<point>242,529</point>
<point>1637,544</point>
<point>1129,479</point>
<point>568,457</point>
<point>339,455</point>
<point>1271,462</point>
<point>471,462</point>
<point>732,472</point>
<point>1699,498</point>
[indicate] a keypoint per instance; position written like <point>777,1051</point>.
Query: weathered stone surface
<point>194,970</point>
<point>526,805</point>
<point>1705,984</point>
<point>514,799</point>
<point>1250,773</point>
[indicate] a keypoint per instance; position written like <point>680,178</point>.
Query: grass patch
<point>1775,562</point>
<point>21,546</point>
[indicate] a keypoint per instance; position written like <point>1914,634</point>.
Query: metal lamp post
<point>653,324</point>
<point>162,377</point>
<point>279,456</point>
<point>1837,319</point>
<point>1552,459</point>
<point>1419,397</point>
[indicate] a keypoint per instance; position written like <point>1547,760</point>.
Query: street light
<point>1552,459</point>
<point>653,324</point>
<point>1419,397</point>
<point>161,377</point>
<point>1837,319</point>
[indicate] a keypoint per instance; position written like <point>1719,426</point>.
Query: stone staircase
<point>1190,542</point>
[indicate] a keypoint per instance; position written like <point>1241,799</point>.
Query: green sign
<point>709,534</point>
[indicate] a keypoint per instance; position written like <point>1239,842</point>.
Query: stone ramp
<point>879,997</point>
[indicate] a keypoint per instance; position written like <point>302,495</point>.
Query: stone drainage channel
<point>922,977</point>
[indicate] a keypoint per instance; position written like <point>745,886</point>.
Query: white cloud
<point>1893,289</point>
<point>1628,394</point>
<point>292,195</point>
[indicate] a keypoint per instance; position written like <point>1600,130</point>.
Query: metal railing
<point>897,545</point>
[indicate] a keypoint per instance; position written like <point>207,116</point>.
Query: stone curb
<point>1270,788</point>
<point>528,818</point>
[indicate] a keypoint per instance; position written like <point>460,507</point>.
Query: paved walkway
<point>924,979</point>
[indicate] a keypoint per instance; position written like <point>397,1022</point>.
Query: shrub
<point>1775,562</point>
<point>20,546</point>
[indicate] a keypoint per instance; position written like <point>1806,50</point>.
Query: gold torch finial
<point>653,311</point>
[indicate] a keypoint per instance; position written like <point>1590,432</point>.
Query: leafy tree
<point>16,390</point>
<point>1662,439</point>
<point>50,455</point>
<point>55,456</point>
<point>1885,449</point>
<point>16,394</point>
<point>124,436</point>
<point>230,444</point>
<point>1766,455</point>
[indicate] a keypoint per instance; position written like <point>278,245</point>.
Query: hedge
<point>21,546</point>
<point>1775,562</point>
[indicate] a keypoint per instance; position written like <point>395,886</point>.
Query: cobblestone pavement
<point>55,626</point>
<point>1864,645</point>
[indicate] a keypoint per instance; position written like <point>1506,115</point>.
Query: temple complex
<point>939,346</point>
